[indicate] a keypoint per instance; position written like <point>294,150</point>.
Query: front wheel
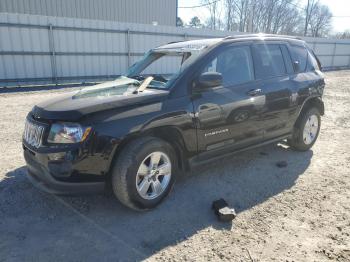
<point>144,173</point>
<point>306,130</point>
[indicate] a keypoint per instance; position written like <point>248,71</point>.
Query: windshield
<point>157,69</point>
<point>120,86</point>
<point>163,65</point>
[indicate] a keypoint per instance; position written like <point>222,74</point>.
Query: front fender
<point>116,128</point>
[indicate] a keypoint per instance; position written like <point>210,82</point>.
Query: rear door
<point>273,67</point>
<point>307,78</point>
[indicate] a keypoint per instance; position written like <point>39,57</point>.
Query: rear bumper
<point>40,173</point>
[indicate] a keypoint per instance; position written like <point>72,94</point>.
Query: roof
<point>189,45</point>
<point>262,36</point>
<point>182,46</point>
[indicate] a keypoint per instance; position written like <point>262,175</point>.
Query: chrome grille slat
<point>33,133</point>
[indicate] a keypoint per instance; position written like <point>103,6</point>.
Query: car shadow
<point>35,225</point>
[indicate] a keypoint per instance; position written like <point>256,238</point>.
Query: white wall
<point>79,50</point>
<point>131,11</point>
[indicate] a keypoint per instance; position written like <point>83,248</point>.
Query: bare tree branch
<point>269,16</point>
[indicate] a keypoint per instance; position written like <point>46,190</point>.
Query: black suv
<point>207,99</point>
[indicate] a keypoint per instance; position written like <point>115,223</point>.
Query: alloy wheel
<point>153,175</point>
<point>310,129</point>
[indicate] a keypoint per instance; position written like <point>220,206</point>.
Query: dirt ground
<point>297,213</point>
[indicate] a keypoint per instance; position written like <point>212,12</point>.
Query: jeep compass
<point>182,104</point>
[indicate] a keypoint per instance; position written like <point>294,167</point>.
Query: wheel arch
<point>313,102</point>
<point>174,137</point>
<point>310,102</point>
<point>169,134</point>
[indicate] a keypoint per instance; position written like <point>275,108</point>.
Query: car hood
<point>73,106</point>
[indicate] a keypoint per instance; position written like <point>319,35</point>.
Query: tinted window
<point>312,63</point>
<point>235,64</point>
<point>299,54</point>
<point>268,61</point>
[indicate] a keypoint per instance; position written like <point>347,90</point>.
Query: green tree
<point>179,22</point>
<point>195,22</point>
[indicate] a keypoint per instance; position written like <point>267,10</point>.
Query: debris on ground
<point>282,164</point>
<point>221,209</point>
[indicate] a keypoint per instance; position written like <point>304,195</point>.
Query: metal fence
<point>42,50</point>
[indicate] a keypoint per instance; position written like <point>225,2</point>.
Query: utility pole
<point>306,17</point>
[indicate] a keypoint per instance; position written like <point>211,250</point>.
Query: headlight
<point>67,133</point>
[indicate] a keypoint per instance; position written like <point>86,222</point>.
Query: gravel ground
<point>297,213</point>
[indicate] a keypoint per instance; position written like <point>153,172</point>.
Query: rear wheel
<point>144,173</point>
<point>306,130</point>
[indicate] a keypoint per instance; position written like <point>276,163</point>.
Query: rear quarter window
<point>299,54</point>
<point>312,63</point>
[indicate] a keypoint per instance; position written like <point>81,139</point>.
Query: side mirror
<point>296,66</point>
<point>210,79</point>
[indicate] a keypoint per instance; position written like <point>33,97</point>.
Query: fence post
<point>333,55</point>
<point>128,45</point>
<point>314,46</point>
<point>52,54</point>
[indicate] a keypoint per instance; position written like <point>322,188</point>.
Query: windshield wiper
<point>144,85</point>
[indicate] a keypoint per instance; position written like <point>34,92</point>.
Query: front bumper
<point>43,174</point>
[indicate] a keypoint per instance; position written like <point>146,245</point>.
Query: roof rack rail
<point>261,35</point>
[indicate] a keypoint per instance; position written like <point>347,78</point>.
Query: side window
<point>299,54</point>
<point>312,63</point>
<point>268,61</point>
<point>235,65</point>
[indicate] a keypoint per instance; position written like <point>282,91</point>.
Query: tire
<point>306,122</point>
<point>128,179</point>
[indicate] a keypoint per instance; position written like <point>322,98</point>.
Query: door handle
<point>254,92</point>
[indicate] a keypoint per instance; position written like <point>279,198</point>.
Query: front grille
<point>33,133</point>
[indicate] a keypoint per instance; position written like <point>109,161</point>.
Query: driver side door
<point>228,116</point>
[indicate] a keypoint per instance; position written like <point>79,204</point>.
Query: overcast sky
<point>338,8</point>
